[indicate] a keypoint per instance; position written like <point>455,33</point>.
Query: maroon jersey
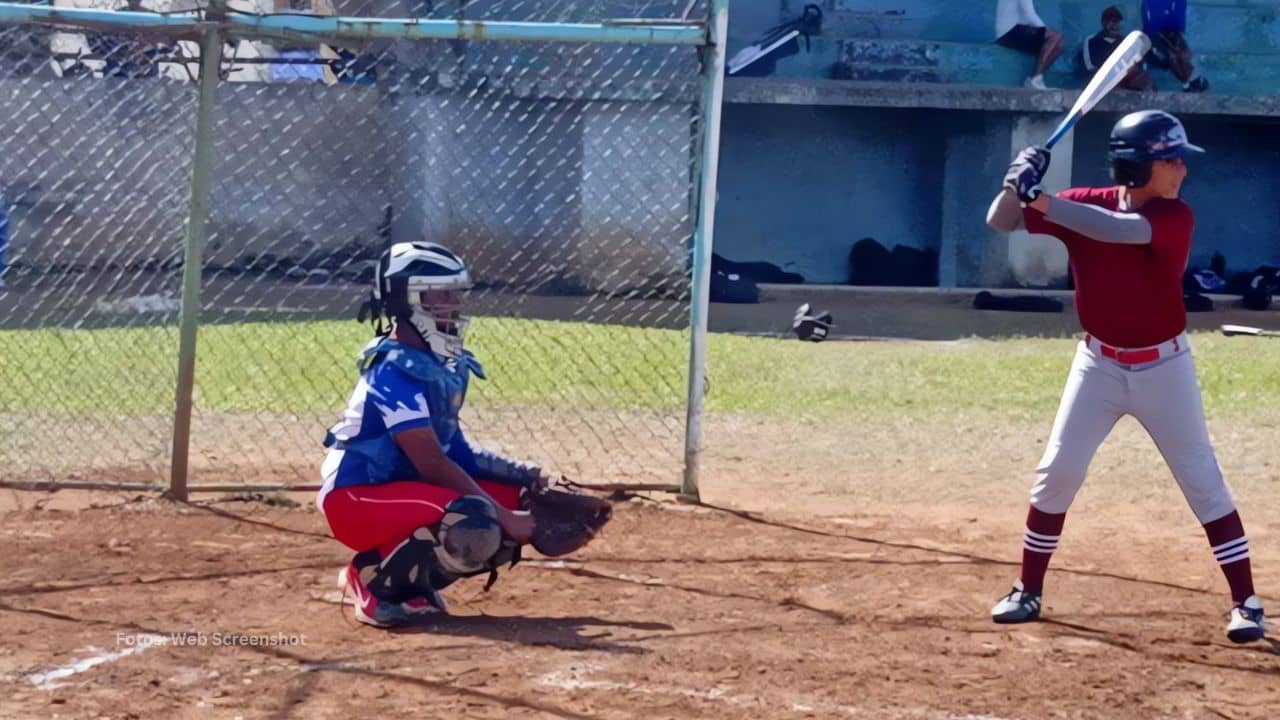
<point>1127,295</point>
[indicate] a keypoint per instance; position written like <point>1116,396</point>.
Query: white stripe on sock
<point>1044,550</point>
<point>1231,544</point>
<point>1228,559</point>
<point>1045,538</point>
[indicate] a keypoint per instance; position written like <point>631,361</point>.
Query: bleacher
<point>1236,43</point>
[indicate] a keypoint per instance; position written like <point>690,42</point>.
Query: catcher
<point>419,504</point>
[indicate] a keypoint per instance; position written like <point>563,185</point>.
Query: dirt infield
<point>833,597</point>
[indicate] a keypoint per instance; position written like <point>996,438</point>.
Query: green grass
<point>309,367</point>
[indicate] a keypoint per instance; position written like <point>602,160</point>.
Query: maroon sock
<point>1231,549</point>
<point>1038,544</point>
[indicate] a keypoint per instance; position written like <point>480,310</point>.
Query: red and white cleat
<point>371,610</point>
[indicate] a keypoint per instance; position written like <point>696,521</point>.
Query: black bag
<point>1195,302</point>
<point>1016,303</point>
<point>870,263</point>
<point>761,272</point>
<point>733,288</point>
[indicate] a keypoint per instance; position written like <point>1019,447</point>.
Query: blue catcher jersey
<point>401,388</point>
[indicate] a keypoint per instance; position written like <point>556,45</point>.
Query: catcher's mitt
<point>565,520</point>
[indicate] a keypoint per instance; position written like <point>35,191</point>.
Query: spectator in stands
<point>1018,27</point>
<point>1165,22</point>
<point>1100,46</point>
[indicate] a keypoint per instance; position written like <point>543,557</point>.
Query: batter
<point>1128,248</point>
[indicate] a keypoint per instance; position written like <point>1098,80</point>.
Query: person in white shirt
<point>1019,27</point>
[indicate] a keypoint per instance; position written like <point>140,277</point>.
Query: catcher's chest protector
<point>444,385</point>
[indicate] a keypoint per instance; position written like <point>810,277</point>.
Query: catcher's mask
<point>423,284</point>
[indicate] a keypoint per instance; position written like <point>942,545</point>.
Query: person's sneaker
<point>1035,82</point>
<point>369,609</point>
<point>1018,606</point>
<point>1197,85</point>
<point>1246,622</point>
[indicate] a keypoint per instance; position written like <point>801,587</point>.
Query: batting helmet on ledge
<point>1141,138</point>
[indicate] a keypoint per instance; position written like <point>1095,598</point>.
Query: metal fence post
<point>712,100</point>
<point>193,257</point>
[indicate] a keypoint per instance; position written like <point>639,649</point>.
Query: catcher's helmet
<point>421,283</point>
<point>1141,138</point>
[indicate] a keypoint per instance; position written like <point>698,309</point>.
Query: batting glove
<point>1026,172</point>
<point>811,327</point>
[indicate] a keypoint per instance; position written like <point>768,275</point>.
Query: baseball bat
<point>1230,330</point>
<point>1129,53</point>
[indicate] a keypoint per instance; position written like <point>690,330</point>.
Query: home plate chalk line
<point>47,679</point>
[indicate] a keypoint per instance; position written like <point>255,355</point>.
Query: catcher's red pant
<point>380,517</point>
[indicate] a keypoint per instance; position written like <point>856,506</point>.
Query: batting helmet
<point>1141,138</point>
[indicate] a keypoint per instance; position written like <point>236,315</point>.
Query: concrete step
<point>868,72</point>
<point>902,52</point>
<point>990,64</point>
<point>949,62</point>
<point>905,19</point>
<point>987,98</point>
<point>1248,26</point>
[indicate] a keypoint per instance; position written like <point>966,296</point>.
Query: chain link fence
<point>564,173</point>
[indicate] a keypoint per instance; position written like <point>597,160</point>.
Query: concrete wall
<point>529,190</point>
<point>103,175</point>
<point>976,154</point>
<point>800,185</point>
<point>300,169</point>
<point>94,171</point>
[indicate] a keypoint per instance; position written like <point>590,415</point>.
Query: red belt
<point>1125,357</point>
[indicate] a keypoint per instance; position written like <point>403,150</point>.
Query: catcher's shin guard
<point>412,571</point>
<point>389,610</point>
<point>471,541</point>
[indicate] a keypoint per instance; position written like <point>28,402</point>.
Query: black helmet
<point>1141,138</point>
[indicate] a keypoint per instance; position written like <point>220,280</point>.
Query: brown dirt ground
<point>839,569</point>
<point>842,586</point>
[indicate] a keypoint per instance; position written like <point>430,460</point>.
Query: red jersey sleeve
<point>1172,223</point>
